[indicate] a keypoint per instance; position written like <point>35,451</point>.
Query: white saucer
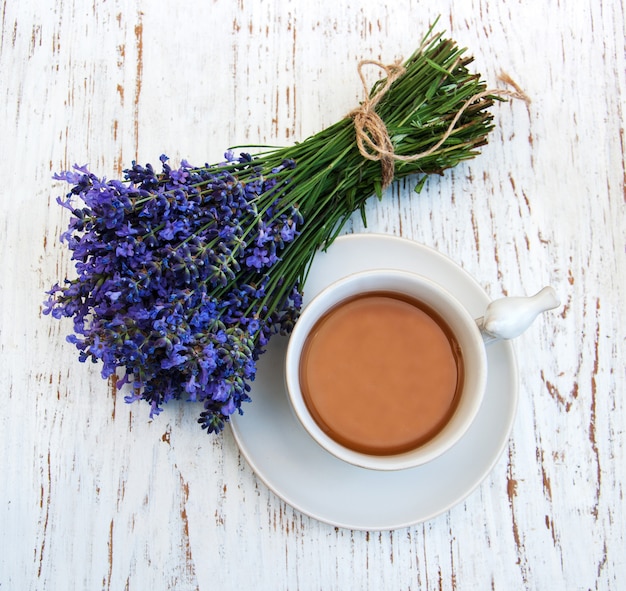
<point>316,483</point>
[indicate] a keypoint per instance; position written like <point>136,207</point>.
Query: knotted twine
<point>372,137</point>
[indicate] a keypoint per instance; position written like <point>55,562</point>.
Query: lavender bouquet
<point>184,274</point>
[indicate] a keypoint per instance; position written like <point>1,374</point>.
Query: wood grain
<point>96,496</point>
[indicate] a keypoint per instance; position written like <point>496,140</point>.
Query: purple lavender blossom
<point>258,259</point>
<point>171,285</point>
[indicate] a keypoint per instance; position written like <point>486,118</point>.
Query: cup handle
<point>507,318</point>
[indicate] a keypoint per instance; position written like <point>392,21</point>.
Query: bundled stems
<point>417,110</point>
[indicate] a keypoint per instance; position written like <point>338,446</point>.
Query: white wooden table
<point>96,496</point>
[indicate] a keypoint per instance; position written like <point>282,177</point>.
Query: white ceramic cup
<point>459,321</point>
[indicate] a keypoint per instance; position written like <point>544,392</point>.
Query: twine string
<point>372,137</point>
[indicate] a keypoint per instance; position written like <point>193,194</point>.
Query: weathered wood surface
<point>95,496</point>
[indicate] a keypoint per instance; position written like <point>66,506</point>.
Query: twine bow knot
<point>372,137</point>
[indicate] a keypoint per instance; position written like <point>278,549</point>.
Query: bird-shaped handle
<point>507,318</point>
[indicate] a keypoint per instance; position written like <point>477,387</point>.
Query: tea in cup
<point>386,369</point>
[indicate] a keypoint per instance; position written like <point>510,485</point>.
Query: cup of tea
<point>387,370</point>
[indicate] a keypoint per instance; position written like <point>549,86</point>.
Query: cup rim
<point>456,316</point>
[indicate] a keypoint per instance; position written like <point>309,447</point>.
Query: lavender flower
<point>183,276</point>
<point>160,298</point>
